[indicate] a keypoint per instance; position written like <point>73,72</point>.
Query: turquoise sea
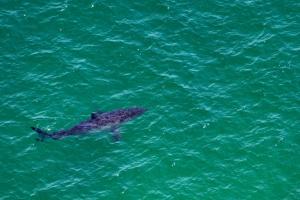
<point>220,80</point>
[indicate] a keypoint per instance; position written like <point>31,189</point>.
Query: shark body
<point>98,121</point>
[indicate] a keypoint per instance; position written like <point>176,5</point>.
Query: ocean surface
<point>220,80</point>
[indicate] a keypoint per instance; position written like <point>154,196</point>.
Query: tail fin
<point>42,134</point>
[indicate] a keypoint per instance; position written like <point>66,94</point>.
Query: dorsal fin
<point>94,115</point>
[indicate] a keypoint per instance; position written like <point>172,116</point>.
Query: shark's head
<point>135,112</point>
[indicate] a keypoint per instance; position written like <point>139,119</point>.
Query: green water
<point>221,80</point>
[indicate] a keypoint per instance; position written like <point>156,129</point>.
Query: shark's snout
<point>138,111</point>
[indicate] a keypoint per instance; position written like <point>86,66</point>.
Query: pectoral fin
<point>116,135</point>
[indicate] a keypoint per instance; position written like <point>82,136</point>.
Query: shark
<point>97,121</point>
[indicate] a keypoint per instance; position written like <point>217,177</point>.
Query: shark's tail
<point>42,134</point>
